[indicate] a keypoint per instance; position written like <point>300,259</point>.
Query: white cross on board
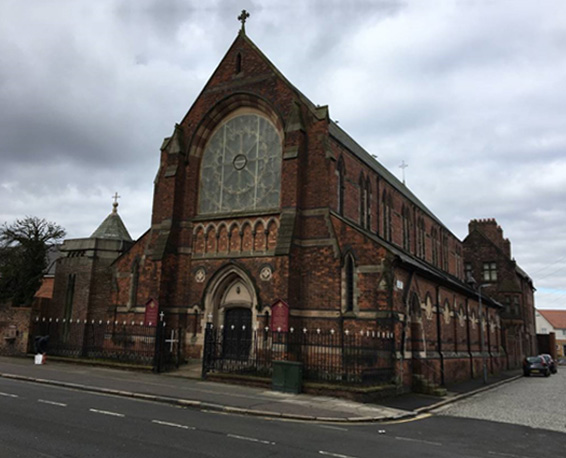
<point>172,341</point>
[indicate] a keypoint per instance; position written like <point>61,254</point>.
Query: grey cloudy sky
<point>469,93</point>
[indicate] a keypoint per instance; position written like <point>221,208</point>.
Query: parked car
<point>535,365</point>
<point>551,363</point>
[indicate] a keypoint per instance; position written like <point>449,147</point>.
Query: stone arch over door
<point>230,303</point>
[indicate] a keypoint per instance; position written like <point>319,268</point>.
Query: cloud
<point>468,93</point>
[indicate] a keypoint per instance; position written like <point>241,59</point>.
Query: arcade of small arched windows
<point>236,237</point>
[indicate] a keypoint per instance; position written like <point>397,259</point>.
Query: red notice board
<point>280,316</point>
<point>151,313</point>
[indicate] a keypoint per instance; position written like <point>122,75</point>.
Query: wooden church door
<point>237,336</point>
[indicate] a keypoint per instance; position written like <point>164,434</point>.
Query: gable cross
<point>242,18</point>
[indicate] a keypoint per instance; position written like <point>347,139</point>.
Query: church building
<point>261,198</point>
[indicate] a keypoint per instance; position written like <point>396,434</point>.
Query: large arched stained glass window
<point>241,167</point>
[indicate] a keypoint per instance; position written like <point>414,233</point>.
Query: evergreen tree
<point>23,257</point>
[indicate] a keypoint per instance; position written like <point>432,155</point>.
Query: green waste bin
<point>287,376</point>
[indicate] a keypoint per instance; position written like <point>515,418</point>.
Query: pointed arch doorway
<point>231,302</point>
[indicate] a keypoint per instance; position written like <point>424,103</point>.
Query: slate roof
<point>112,228</point>
<point>557,318</point>
<point>53,254</point>
<point>346,140</point>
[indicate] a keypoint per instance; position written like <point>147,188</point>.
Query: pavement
<point>184,388</point>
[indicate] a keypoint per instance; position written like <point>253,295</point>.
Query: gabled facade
<point>261,197</point>
<point>487,256</point>
<point>553,321</point>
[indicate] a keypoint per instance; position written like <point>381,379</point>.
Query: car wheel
<point>547,374</point>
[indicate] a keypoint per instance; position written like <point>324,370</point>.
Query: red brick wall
<point>309,275</point>
<point>485,243</point>
<point>14,330</point>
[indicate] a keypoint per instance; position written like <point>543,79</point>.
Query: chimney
<point>492,231</point>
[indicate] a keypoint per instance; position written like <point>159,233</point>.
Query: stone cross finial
<point>115,204</point>
<point>242,18</point>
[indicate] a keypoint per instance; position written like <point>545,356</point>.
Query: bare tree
<point>23,257</point>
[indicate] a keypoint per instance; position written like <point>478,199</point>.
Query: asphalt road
<point>45,421</point>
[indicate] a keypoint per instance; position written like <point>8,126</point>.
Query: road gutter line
<point>174,425</point>
<point>106,412</point>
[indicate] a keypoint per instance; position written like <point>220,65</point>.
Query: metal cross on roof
<point>403,166</point>
<point>115,204</point>
<point>242,18</point>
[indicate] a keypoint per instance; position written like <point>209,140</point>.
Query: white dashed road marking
<point>335,455</point>
<point>8,395</point>
<point>174,425</point>
<point>106,412</point>
<point>53,403</point>
<point>337,428</point>
<point>409,439</point>
<point>508,455</point>
<point>250,439</point>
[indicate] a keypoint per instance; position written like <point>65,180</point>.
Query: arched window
<point>445,252</point>
<point>368,203</point>
<point>135,273</point>
<point>349,283</point>
<point>341,169</point>
<point>435,243</point>
<point>421,246</point>
<point>241,166</point>
<point>406,214</point>
<point>238,63</point>
<point>363,200</point>
<point>386,216</point>
<point>69,296</point>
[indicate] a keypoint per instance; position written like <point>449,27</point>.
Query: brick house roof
<point>557,318</point>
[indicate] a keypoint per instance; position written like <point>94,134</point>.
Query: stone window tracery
<point>241,167</point>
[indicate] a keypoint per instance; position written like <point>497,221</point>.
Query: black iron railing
<point>121,341</point>
<point>359,358</point>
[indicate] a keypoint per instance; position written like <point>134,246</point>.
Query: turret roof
<point>112,228</point>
